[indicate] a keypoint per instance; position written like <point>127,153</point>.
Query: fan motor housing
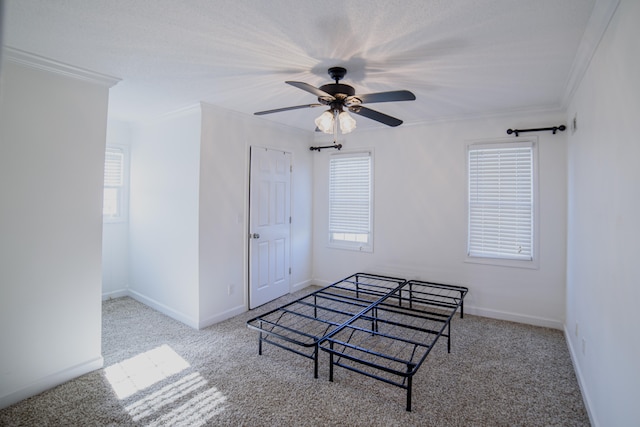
<point>335,89</point>
<point>338,96</point>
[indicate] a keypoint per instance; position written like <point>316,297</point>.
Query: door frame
<point>247,240</point>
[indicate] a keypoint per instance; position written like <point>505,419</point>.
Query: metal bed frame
<point>300,325</point>
<point>379,326</point>
<point>390,340</point>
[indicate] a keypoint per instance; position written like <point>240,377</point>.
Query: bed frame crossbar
<point>291,328</point>
<point>379,326</point>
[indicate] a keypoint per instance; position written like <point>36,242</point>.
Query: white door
<point>269,225</point>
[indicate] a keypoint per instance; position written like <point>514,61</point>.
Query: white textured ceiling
<point>460,57</point>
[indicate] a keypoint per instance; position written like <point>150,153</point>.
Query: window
<point>350,201</point>
<point>501,202</point>
<point>113,206</point>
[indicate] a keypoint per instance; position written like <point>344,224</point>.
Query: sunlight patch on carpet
<point>170,393</point>
<point>204,404</point>
<point>196,411</point>
<point>186,399</point>
<point>142,371</point>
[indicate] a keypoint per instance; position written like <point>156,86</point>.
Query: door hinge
<point>290,168</point>
<point>289,270</point>
<point>289,220</point>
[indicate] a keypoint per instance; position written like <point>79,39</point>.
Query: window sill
<point>502,262</point>
<point>351,247</point>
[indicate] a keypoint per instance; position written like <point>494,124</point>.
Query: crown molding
<point>601,15</point>
<point>548,110</point>
<point>45,64</point>
<point>189,109</point>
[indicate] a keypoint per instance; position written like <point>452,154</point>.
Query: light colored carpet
<point>161,372</point>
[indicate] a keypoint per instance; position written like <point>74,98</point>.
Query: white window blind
<point>114,167</point>
<point>350,199</point>
<point>113,182</point>
<point>501,204</point>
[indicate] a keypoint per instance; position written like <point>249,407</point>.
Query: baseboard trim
<point>576,368</point>
<point>51,381</point>
<point>115,294</point>
<point>301,285</point>
<point>322,283</point>
<point>174,314</point>
<point>227,314</point>
<point>514,317</point>
<point>494,314</point>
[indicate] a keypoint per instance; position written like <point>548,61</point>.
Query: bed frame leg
<point>260,343</point>
<point>331,361</point>
<point>315,306</point>
<point>315,362</point>
<point>409,384</point>
<point>449,337</point>
<point>374,320</point>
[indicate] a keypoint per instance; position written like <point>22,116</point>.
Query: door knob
<point>255,236</point>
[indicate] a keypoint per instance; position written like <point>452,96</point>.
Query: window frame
<point>123,193</point>
<point>531,141</point>
<point>347,244</point>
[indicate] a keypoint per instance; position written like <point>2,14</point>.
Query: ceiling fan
<point>338,97</point>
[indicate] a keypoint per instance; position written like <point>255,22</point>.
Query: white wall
<point>189,211</point>
<point>420,221</point>
<point>224,180</point>
<point>603,281</point>
<point>115,235</point>
<point>163,215</point>
<point>52,142</point>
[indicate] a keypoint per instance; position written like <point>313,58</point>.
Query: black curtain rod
<point>554,129</point>
<point>336,146</point>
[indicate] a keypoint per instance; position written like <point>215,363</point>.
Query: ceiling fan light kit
<point>347,123</point>
<point>338,97</point>
<point>324,122</point>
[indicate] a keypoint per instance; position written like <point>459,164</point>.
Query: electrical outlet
<point>230,289</point>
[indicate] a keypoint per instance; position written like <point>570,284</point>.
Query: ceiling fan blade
<point>311,89</point>
<point>376,115</point>
<point>392,96</point>
<point>277,110</point>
